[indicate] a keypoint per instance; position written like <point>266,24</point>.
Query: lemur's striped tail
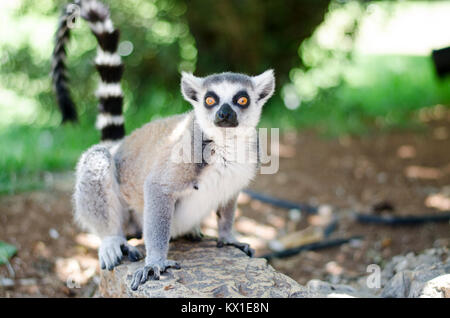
<point>59,74</point>
<point>109,65</point>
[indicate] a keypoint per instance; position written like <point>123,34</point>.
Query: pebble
<point>6,282</point>
<point>295,215</point>
<point>53,233</point>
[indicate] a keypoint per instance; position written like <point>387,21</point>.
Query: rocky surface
<point>208,271</point>
<point>424,275</point>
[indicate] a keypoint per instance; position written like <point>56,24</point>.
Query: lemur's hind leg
<point>99,208</point>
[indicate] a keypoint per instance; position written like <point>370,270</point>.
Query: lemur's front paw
<point>113,248</point>
<point>242,246</point>
<point>152,270</point>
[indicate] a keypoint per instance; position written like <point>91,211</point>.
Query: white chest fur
<point>217,184</point>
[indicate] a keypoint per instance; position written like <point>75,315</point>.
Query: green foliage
<point>377,92</point>
<point>32,150</point>
<point>6,252</point>
<point>155,34</point>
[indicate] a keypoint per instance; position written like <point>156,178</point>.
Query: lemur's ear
<point>190,86</point>
<point>264,86</point>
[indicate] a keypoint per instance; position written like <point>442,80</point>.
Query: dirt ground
<point>406,172</point>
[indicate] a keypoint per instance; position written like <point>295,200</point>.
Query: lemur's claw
<point>248,250</point>
<point>115,263</point>
<point>112,251</point>
<point>244,247</point>
<point>152,271</point>
<point>132,252</point>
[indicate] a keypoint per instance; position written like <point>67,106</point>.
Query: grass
<point>31,151</point>
<point>376,93</point>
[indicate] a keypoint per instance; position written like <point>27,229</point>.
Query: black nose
<point>226,116</point>
<point>225,112</point>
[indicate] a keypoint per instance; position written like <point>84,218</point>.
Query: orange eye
<point>210,101</point>
<point>242,101</point>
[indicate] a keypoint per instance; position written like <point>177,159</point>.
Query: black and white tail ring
<point>59,73</point>
<point>109,65</point>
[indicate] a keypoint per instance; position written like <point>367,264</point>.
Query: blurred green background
<point>343,67</point>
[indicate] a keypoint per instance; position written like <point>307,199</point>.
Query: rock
<point>206,271</point>
<point>424,275</point>
<point>438,287</point>
<point>410,261</point>
<point>421,282</point>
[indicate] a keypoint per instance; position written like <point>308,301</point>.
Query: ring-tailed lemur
<point>140,173</point>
